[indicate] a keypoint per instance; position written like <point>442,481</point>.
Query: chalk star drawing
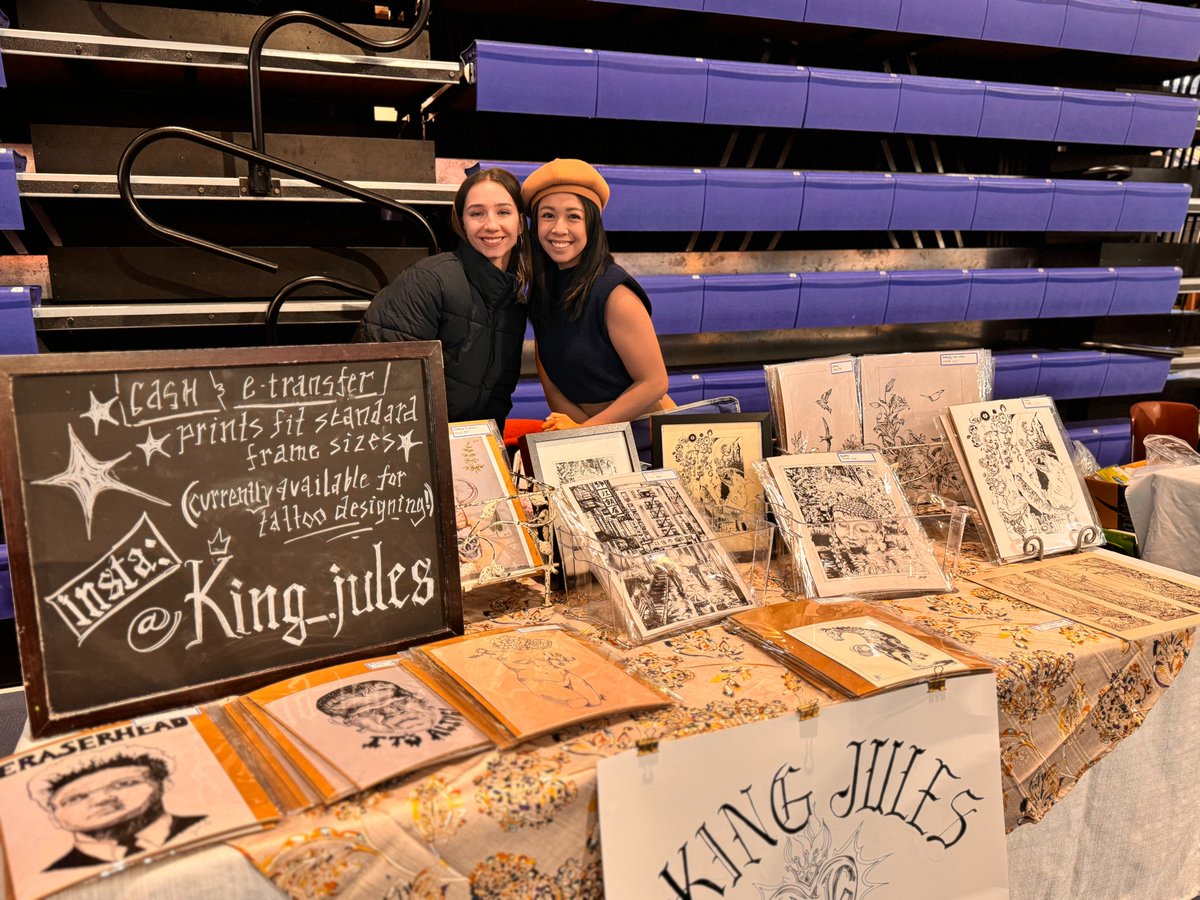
<point>152,445</point>
<point>89,477</point>
<point>100,412</point>
<point>407,443</point>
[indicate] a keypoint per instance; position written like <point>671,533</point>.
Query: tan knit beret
<point>571,175</point>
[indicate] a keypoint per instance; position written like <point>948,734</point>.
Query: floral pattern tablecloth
<point>523,823</point>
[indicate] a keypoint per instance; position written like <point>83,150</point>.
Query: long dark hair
<point>592,263</point>
<point>518,265</point>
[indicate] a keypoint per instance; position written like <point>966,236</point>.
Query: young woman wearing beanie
<point>597,355</point>
<point>472,300</point>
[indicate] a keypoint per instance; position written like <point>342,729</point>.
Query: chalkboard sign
<point>185,525</point>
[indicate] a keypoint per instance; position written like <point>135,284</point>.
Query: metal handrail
<point>276,304</point>
<point>146,138</point>
<point>259,182</point>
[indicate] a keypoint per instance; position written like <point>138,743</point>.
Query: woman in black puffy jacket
<point>472,300</point>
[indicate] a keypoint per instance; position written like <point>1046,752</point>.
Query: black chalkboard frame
<point>45,720</point>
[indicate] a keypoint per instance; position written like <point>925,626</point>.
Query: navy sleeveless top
<point>578,356</point>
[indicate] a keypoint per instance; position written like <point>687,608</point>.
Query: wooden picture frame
<point>184,525</point>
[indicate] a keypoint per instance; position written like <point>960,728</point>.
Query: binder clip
<point>647,746</point>
<point>937,681</point>
<point>808,710</point>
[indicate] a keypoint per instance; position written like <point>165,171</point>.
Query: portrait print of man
<point>387,710</point>
<point>111,802</point>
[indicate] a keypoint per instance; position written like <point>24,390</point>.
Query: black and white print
<point>850,526</point>
<point>569,470</point>
<point>815,403</point>
<point>1025,482</point>
<point>655,551</point>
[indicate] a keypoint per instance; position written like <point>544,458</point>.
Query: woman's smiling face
<point>562,228</point>
<point>491,222</point>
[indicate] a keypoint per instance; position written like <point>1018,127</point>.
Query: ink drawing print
<point>371,720</point>
<point>539,679</point>
<point>1022,473</point>
<point>902,395</point>
<point>655,553</point>
<point>560,457</point>
<point>714,459</point>
<point>820,411</point>
<point>74,809</point>
<point>850,526</point>
<point>493,545</point>
<point>883,655</point>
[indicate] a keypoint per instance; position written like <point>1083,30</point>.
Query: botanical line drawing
<point>543,671</point>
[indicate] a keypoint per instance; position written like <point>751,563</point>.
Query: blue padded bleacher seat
<point>1012,204</point>
<point>1116,440</point>
<point>1162,120</point>
<point>742,93</point>
<point>524,78</point>
<point>6,597</point>
<point>960,18</point>
<point>750,302</point>
<point>839,201</point>
<point>880,14</point>
<point>1094,117</point>
<point>749,386</point>
<point>1071,374</point>
<point>1087,434</point>
<point>1145,290</point>
<point>936,295</point>
<point>685,387</point>
<point>780,10</point>
<point>1006,294</point>
<point>1038,22</point>
<point>520,170</point>
<point>1105,26</point>
<point>11,218</point>
<point>939,105</point>
<point>842,298</point>
<point>852,101</point>
<point>694,5</point>
<point>1086,205</point>
<point>529,401</point>
<point>1154,206</point>
<point>1016,374</point>
<point>17,332</point>
<point>752,199</point>
<point>677,302</point>
<point>923,202</point>
<point>1170,32</point>
<point>1025,111</point>
<point>651,199</point>
<point>646,86</point>
<point>1133,375</point>
<point>1078,292</point>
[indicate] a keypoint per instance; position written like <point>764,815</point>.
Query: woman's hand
<point>558,422</point>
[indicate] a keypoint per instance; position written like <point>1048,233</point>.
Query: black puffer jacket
<point>472,307</point>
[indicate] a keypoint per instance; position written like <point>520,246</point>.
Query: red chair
<point>1163,417</point>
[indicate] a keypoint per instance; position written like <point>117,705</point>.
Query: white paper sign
<point>894,796</point>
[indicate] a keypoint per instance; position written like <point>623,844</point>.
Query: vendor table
<point>524,823</point>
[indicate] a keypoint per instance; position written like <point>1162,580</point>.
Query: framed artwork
<point>664,568</point>
<point>714,456</point>
<point>1021,476</point>
<point>902,395</point>
<point>850,528</point>
<point>815,403</point>
<point>577,454</point>
<point>102,800</point>
<point>493,544</point>
<point>530,681</point>
<point>186,525</point>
